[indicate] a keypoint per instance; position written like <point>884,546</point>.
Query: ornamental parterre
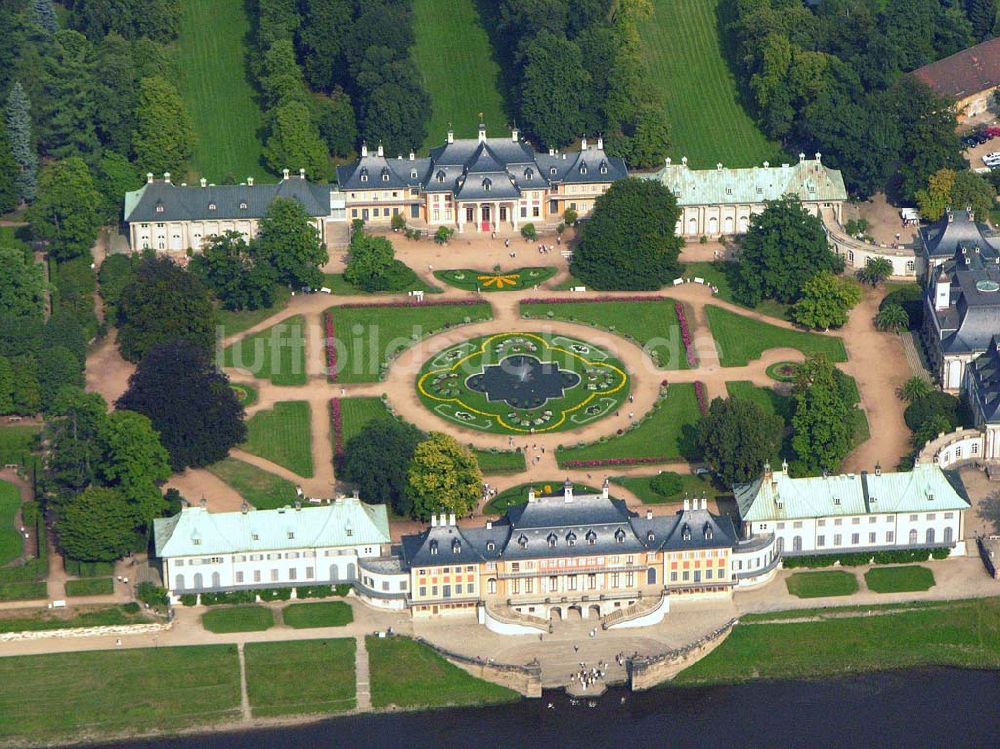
<point>523,383</point>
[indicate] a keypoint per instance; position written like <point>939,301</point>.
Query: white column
<point>459,216</point>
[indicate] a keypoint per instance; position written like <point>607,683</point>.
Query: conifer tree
<point>43,15</point>
<point>18,117</point>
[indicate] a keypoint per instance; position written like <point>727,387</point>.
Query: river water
<point>914,708</point>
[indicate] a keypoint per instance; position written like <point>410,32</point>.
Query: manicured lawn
<point>683,51</point>
<point>506,461</point>
<point>17,441</point>
<point>93,586</point>
<point>29,590</point>
<point>45,698</point>
<point>455,58</point>
<point>323,614</point>
<point>212,61</point>
<point>821,584</point>
<point>282,435</point>
<point>641,321</point>
<point>238,619</point>
<point>245,394</point>
<point>356,412</point>
<point>277,353</point>
<point>370,337</point>
<point>719,273</point>
<point>408,674</point>
<point>692,487</point>
<point>504,280</point>
<point>958,633</point>
<point>298,678</point>
<point>899,579</point>
<point>338,286</point>
<point>518,495</point>
<point>263,490</point>
<point>107,616</point>
<point>11,540</point>
<point>236,322</point>
<point>741,339</point>
<point>667,433</point>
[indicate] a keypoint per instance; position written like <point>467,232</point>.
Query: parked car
<point>992,158</point>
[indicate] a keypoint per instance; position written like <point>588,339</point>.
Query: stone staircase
<point>637,609</point>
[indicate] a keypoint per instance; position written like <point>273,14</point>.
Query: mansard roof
<point>165,201</point>
<point>955,230</point>
<point>778,497</point>
<point>808,180</point>
<point>985,371</point>
<point>377,172</point>
<point>343,522</point>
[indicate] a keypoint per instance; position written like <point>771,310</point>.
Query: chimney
<point>250,181</point>
<point>284,173</point>
<point>718,167</point>
<point>514,135</point>
<point>166,177</point>
<point>667,161</point>
<point>704,503</point>
<point>878,469</point>
<point>451,518</point>
<point>802,157</point>
<point>649,514</point>
<point>951,216</point>
<point>302,173</point>
<point>767,164</point>
<point>583,143</point>
<point>244,507</point>
<point>568,490</point>
<point>434,520</point>
<point>364,149</point>
<point>552,152</point>
<point>687,504</point>
<point>412,156</point>
<point>356,494</point>
<point>605,488</point>
<point>767,469</point>
<point>489,525</point>
<point>942,291</point>
<point>380,151</point>
<point>482,131</point>
<point>784,467</point>
<point>819,156</point>
<point>149,177</point>
<point>531,494</point>
<point>600,142</point>
<point>204,182</point>
<point>451,135</point>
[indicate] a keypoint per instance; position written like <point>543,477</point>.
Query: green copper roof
<point>780,497</point>
<point>809,180</point>
<point>344,522</point>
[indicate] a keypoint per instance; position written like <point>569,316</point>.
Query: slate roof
<point>383,173</point>
<point>985,372</point>
<point>964,73</point>
<point>344,522</point>
<point>552,526</point>
<point>961,250</point>
<point>780,497</point>
<point>193,203</point>
<point>809,179</point>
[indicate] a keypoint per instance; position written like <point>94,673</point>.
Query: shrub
<point>131,607</point>
<point>936,403</point>
<point>342,589</point>
<point>443,234</point>
<point>398,221</point>
<point>152,595</point>
<point>275,594</point>
<point>528,232</point>
<point>666,484</point>
<point>189,599</point>
<point>314,591</point>
<point>76,568</point>
<point>856,559</point>
<point>228,597</point>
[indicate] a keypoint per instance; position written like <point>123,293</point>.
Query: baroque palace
<point>562,554</point>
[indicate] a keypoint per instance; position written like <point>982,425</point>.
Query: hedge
<point>275,594</point>
<point>857,559</point>
<point>314,591</point>
<point>232,596</point>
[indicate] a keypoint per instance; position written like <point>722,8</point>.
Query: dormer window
<point>385,175</point>
<point>439,176</point>
<point>686,532</point>
<point>591,538</point>
<point>552,540</point>
<point>350,531</point>
<point>729,191</point>
<point>583,168</point>
<point>529,173</point>
<point>456,547</point>
<point>434,548</point>
<point>160,208</point>
<point>604,167</point>
<point>211,206</point>
<point>487,184</point>
<point>650,536</point>
<point>490,546</point>
<point>522,541</point>
<point>364,174</point>
<point>571,539</point>
<point>413,174</point>
<point>552,171</point>
<point>708,532</point>
<point>255,537</point>
<point>620,536</point>
<point>196,541</point>
<point>243,206</point>
<point>836,500</point>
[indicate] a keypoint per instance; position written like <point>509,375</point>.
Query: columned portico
<point>487,217</point>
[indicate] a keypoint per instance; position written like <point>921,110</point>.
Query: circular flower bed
<point>783,371</point>
<point>245,394</point>
<point>522,383</point>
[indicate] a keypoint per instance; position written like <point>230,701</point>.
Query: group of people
<point>589,675</point>
<point>545,249</point>
<point>488,492</point>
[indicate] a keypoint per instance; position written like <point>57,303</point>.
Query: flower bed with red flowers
<point>594,299</point>
<point>699,390</point>
<point>692,358</point>
<point>615,462</point>
<point>337,426</point>
<point>331,348</point>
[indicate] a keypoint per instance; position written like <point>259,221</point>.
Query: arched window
<point>948,535</point>
<point>351,574</point>
<point>930,535</point>
<point>552,171</point>
<point>604,167</point>
<point>243,206</point>
<point>552,540</point>
<point>179,582</point>
<point>216,580</point>
<point>797,543</point>
<point>779,545</point>
<point>571,538</point>
<point>160,208</point>
<point>434,548</point>
<point>491,586</point>
<point>522,541</point>
<point>334,573</point>
<point>591,538</point>
<point>440,176</point>
<point>198,583</point>
<point>487,184</point>
<point>620,536</point>
<point>913,536</point>
<point>211,206</point>
<point>529,173</point>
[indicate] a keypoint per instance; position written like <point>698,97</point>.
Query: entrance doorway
<point>484,211</point>
<point>503,214</point>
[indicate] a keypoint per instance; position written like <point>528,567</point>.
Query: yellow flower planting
<point>500,280</point>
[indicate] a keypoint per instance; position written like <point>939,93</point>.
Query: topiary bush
<point>151,594</point>
<point>342,589</point>
<point>666,484</point>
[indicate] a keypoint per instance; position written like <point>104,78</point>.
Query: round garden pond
<point>522,383</point>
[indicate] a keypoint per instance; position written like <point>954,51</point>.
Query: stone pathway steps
<point>362,678</point>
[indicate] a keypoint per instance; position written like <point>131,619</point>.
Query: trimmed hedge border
<point>858,559</point>
<point>230,597</point>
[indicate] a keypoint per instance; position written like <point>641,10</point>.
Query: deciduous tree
<point>72,428</point>
<point>443,477</point>
<point>294,141</point>
<point>783,248</point>
<point>825,301</point>
<point>370,262</point>
<point>21,285</point>
<point>291,243</point>
<point>737,437</point>
<point>134,462</point>
<point>164,137</point>
<point>232,269</point>
<point>630,243</point>
<point>377,461</point>
<point>189,402</point>
<point>57,368</point>
<point>98,525</point>
<point>551,84</point>
<point>66,212</point>
<point>823,424</point>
